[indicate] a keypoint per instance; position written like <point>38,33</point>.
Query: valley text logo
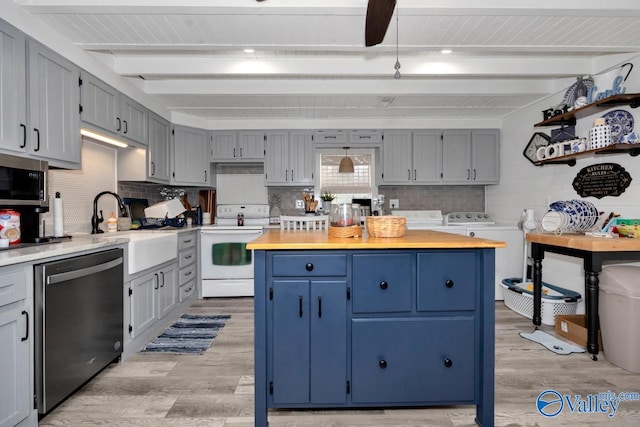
<point>551,403</point>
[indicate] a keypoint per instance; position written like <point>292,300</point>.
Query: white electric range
<point>476,224</point>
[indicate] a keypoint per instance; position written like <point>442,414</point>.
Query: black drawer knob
<point>384,285</point>
<point>448,363</point>
<point>449,283</point>
<point>382,364</point>
<point>309,266</point>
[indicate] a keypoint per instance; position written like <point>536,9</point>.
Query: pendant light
<point>397,65</point>
<point>346,164</point>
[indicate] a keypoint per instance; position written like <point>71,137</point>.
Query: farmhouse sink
<point>148,249</point>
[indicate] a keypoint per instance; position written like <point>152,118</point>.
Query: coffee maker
<point>23,188</point>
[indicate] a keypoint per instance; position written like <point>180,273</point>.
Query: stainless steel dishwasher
<point>78,322</point>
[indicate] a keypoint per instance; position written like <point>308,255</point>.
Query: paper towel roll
<point>58,217</point>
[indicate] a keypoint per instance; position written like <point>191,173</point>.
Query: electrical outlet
<point>394,203</point>
<point>299,204</point>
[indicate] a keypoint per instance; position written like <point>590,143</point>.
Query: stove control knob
<point>486,216</point>
<point>468,215</point>
<point>458,216</point>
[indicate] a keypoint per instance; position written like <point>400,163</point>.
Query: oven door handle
<point>238,231</point>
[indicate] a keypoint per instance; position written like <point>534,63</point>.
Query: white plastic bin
<point>620,315</point>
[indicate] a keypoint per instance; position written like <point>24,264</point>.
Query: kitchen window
<point>359,184</point>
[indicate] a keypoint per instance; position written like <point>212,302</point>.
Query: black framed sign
<point>601,180</point>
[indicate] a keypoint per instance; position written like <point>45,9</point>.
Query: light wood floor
<point>216,389</point>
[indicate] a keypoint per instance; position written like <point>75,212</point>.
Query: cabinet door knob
<point>309,267</point>
<point>382,364</point>
<point>448,363</point>
<point>384,285</point>
<point>449,283</point>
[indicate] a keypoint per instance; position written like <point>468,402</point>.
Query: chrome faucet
<point>95,219</point>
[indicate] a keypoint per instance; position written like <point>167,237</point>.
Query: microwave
<point>23,181</point>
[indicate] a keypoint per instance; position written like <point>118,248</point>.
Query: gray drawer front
<point>382,283</point>
<point>13,286</point>
<point>187,274</point>
<point>186,257</point>
<point>311,265</point>
<point>186,240</point>
<point>186,290</point>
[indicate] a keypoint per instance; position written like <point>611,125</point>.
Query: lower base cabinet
<point>374,328</point>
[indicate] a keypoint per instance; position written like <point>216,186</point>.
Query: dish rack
<point>162,222</point>
<point>555,300</point>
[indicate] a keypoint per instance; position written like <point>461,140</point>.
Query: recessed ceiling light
<point>249,50</point>
<point>446,51</point>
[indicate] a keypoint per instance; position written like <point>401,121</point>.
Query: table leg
<point>592,288</point>
<point>537,284</point>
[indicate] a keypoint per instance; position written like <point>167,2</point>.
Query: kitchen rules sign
<point>600,180</point>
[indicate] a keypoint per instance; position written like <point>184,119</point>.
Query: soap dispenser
<point>112,223</point>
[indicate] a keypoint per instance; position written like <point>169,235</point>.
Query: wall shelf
<point>569,118</point>
<point>570,159</point>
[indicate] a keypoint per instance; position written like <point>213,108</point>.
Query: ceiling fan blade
<point>379,14</point>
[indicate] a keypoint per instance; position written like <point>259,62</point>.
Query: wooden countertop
<point>413,239</point>
<point>586,243</point>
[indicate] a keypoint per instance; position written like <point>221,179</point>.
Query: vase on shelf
<point>599,135</point>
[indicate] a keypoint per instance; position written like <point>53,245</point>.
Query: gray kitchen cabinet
<point>190,156</point>
<point>152,164</point>
<point>16,330</point>
<point>54,118</point>
<point>187,257</point>
<point>365,137</point>
<point>331,138</point>
<point>104,109</point>
<point>152,294</point>
<point>289,158</point>
<point>232,146</point>
<point>411,157</point>
<point>470,157</point>
<point>13,89</point>
<point>158,153</point>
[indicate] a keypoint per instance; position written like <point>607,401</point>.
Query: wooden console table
<point>593,251</point>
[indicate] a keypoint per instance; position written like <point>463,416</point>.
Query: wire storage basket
<point>386,226</point>
<point>555,300</point>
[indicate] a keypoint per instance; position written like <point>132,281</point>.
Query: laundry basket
<point>555,300</point>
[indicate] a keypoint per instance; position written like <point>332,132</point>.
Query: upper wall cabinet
<point>411,157</point>
<point>289,158</point>
<point>331,138</point>
<point>152,164</point>
<point>13,90</point>
<point>365,137</point>
<point>104,109</point>
<point>54,119</point>
<point>471,157</point>
<point>190,156</point>
<point>231,146</point>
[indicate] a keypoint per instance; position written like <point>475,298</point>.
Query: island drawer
<point>410,360</point>
<point>446,280</point>
<point>289,265</point>
<point>382,283</point>
<point>13,285</point>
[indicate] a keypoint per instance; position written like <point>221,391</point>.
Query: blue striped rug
<point>191,334</point>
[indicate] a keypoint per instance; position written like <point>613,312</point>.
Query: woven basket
<point>350,231</point>
<point>386,226</point>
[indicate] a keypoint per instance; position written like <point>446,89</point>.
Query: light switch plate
<point>394,203</point>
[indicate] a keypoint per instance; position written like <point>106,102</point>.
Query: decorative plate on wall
<point>621,123</point>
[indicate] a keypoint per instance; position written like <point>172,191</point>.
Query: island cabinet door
<point>446,280</point>
<point>413,360</point>
<point>309,356</point>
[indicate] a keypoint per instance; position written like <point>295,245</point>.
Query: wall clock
<point>538,139</point>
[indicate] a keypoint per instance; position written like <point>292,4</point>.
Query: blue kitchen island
<point>373,322</point>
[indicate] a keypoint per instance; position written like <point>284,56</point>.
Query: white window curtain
<point>346,183</point>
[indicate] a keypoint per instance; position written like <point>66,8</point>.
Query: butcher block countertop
<point>413,239</point>
<point>586,243</point>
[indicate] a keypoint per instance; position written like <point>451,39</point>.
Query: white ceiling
<point>310,62</point>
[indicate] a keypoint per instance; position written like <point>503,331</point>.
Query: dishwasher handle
<point>75,274</point>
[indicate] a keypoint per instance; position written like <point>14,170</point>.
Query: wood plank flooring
<point>216,389</point>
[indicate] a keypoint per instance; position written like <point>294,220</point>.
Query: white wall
<point>523,185</point>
